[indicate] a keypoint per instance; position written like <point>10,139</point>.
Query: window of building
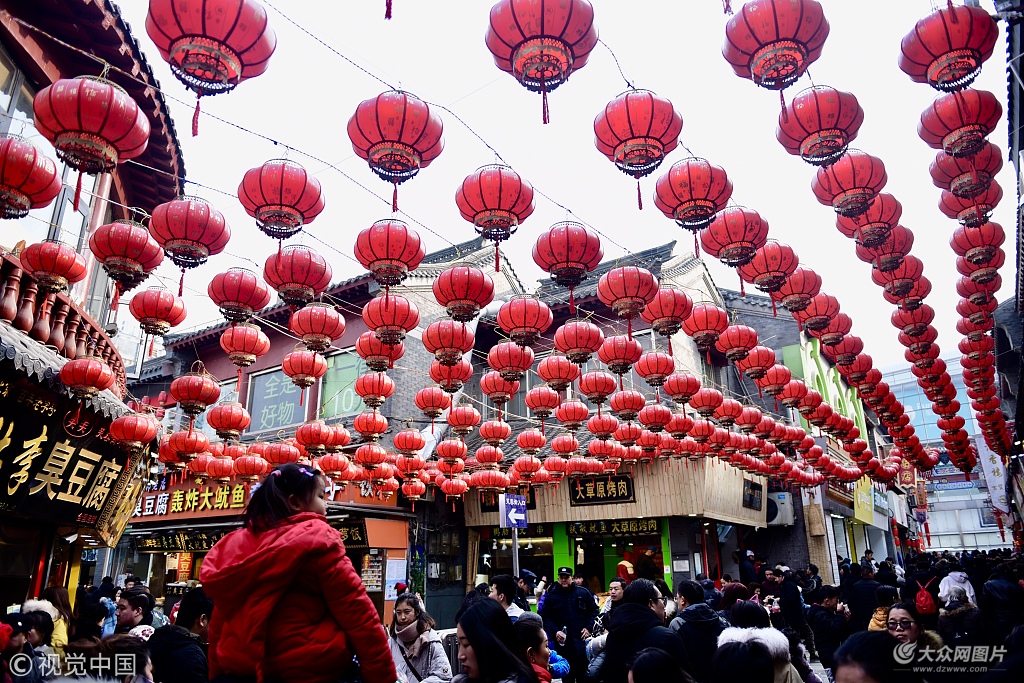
<point>338,397</point>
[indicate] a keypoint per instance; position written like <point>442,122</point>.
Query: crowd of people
<point>280,602</point>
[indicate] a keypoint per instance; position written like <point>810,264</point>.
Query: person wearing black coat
<point>861,597</point>
<point>747,573</point>
<point>178,651</point>
<point>637,624</point>
<point>699,627</point>
<point>1001,604</point>
<point>885,574</point>
<point>829,623</point>
<point>569,613</point>
<point>928,578</point>
<point>791,603</point>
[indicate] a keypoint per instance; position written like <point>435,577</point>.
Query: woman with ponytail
<point>289,606</point>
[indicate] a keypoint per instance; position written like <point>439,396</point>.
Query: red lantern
<point>391,317</point>
<point>190,231</point>
<point>531,441</point>
<point>194,391</point>
<point>819,124</point>
<point>451,377</point>
<point>558,371</point>
<point>54,265</point>
<point>281,196</point>
<point>542,401</point>
<point>946,48</point>
<point>900,281</point>
<point>978,292</point>
<point>524,319</point>
<point>374,388</point>
<point>157,310</point>
<point>889,254</point>
<point>244,343</point>
<point>846,350</point>
<point>734,235</point>
<point>974,211</point>
<point>578,340</point>
<point>851,184</point>
<point>692,192</point>
<point>798,290</point>
<point>238,293</point>
<point>774,380</point>
<point>432,401</point>
<point>304,368</point>
<point>28,178</point>
<point>211,45</point>
<point>572,414</point>
<point>681,387</point>
<point>966,178</point>
<point>370,424</point>
<point>982,273</point>
<point>772,42</point>
<point>705,324</point>
<point>636,131</point>
<point>541,43</point>
<point>495,200</point>
<point>498,389</point>
<point>872,227</point>
<point>819,313</point>
<point>510,360</point>
<point>666,311</point>
<point>958,123</point>
<point>727,413</point>
<point>378,355</point>
<point>463,291</point>
<point>463,419</point>
<point>602,426</point>
<point>317,325</point>
<point>92,123</point>
<point>619,353</point>
<point>188,445</point>
<point>568,251</point>
<point>389,249</point>
<point>913,323</point>
<point>86,376</point>
<point>134,432</point>
<point>655,368</point>
<point>770,266</point>
<point>706,401</point>
<point>448,340</point>
<point>229,419</point>
<point>792,393</point>
<point>127,252</point>
<point>756,362</point>
<point>910,298</point>
<point>297,274</point>
<point>736,341</point>
<point>597,386</point>
<point>397,134</point>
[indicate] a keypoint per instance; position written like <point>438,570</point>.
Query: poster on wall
<point>373,573</point>
<point>397,570</point>
<point>273,401</point>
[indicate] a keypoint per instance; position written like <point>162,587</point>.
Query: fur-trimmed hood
<point>930,639</point>
<point>41,606</point>
<point>774,640</point>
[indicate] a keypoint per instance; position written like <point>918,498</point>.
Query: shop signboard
<point>753,494</point>
<point>607,527</point>
<point>189,500</point>
<point>184,566</point>
<point>880,501</point>
<point>820,375</point>
<point>532,531</point>
<point>274,401</point>
<point>906,475</point>
<point>602,490</point>
<point>58,463</point>
<point>995,476</point>
<point>353,533</point>
<point>863,501</point>
<point>182,541</point>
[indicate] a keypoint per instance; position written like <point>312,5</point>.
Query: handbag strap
<point>408,663</point>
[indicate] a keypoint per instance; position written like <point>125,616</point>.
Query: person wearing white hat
<point>747,573</point>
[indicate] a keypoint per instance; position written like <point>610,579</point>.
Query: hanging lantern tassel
<point>302,397</point>
<point>387,9</point>
<point>743,291</point>
<point>775,313</point>
<point>546,117</point>
<point>629,327</point>
<point>953,19</point>
<point>782,103</point>
<point>181,283</point>
<point>497,258</point>
<point>639,196</point>
<point>78,192</point>
<point>572,301</point>
<point>195,115</point>
<point>727,6</point>
<point>696,247</point>
<point>152,341</point>
<point>669,339</point>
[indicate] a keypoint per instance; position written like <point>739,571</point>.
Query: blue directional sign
<point>512,509</point>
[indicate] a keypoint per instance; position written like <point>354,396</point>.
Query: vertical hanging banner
<point>995,475</point>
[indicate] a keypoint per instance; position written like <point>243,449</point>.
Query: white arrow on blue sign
<point>512,509</point>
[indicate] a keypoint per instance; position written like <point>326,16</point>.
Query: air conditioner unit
<point>780,509</point>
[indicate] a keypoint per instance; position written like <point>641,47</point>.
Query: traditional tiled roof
<point>651,259</point>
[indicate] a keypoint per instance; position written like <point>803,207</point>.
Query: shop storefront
<point>173,528</point>
<point>602,525</point>
<point>66,487</point>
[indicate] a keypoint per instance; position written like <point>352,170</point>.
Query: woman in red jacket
<point>289,604</point>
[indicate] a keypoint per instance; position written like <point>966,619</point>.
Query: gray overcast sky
<point>436,50</point>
